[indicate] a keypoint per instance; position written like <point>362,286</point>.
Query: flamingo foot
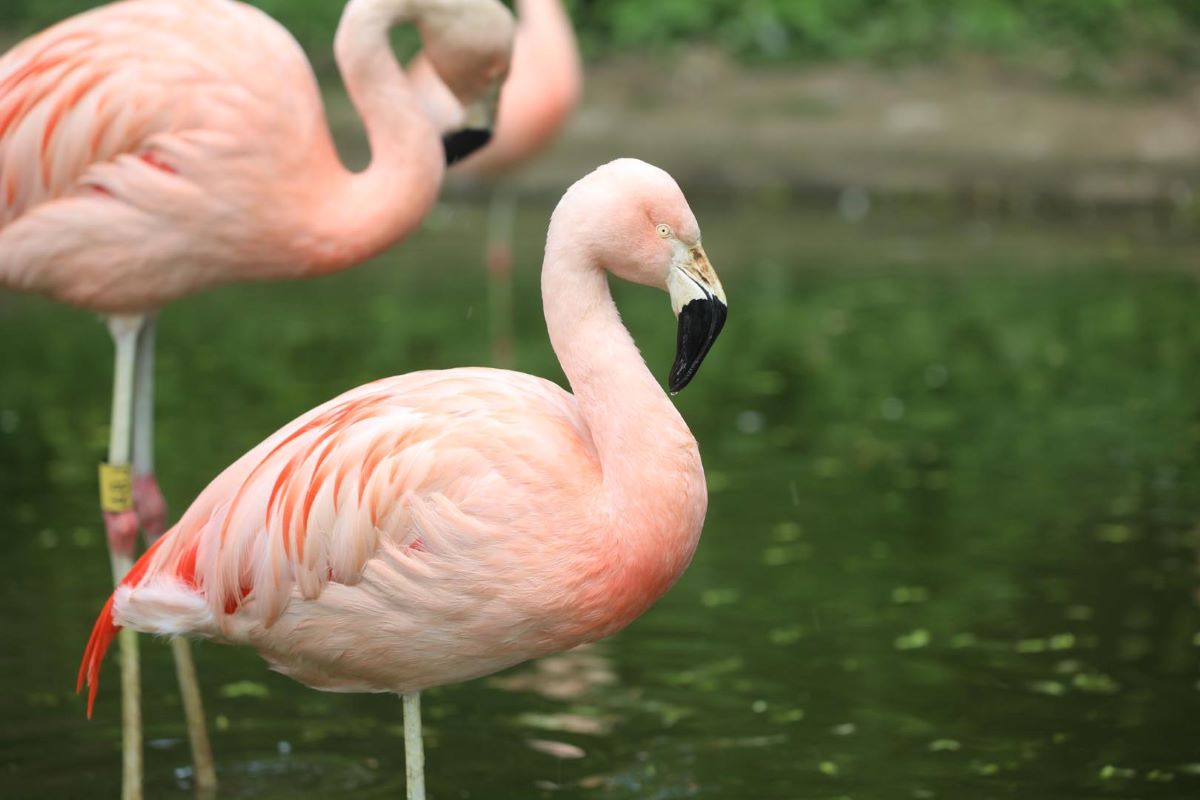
<point>150,505</point>
<point>121,528</point>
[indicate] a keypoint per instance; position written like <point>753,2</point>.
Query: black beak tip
<point>700,322</point>
<point>462,143</point>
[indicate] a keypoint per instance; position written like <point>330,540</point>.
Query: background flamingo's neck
<point>543,13</point>
<point>367,211</point>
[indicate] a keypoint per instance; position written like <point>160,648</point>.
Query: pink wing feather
<point>75,95</point>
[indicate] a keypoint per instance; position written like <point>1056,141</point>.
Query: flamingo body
<point>437,526</point>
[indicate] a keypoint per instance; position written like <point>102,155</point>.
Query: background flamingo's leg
<point>120,523</point>
<point>499,257</point>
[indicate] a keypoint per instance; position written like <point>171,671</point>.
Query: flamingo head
<point>469,45</point>
<point>639,226</point>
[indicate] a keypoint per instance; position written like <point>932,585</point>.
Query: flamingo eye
<point>664,231</point>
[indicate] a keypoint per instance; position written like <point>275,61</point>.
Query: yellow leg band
<point>116,487</point>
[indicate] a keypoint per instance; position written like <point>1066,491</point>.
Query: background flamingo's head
<point>469,45</point>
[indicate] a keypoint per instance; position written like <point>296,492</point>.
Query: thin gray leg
<point>414,748</point>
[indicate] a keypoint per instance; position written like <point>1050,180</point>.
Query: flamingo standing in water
<point>542,89</point>
<point>152,148</point>
<point>438,526</point>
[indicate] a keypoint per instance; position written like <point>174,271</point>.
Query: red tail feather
<point>105,630</point>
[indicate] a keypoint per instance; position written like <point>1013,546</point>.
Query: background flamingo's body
<point>150,148</point>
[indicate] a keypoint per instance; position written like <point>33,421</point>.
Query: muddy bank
<point>972,134</point>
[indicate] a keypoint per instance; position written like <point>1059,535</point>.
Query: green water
<point>950,553</point>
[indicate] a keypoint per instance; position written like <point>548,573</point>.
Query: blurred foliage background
<point>1075,33</point>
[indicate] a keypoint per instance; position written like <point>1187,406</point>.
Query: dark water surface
<point>955,489</point>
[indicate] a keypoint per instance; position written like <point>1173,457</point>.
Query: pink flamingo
<point>152,148</point>
<point>438,526</point>
<point>542,89</point>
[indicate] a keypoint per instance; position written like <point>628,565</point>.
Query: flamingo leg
<point>193,709</point>
<point>499,258</point>
<point>152,511</point>
<point>414,748</point>
<point>120,522</point>
<point>147,497</point>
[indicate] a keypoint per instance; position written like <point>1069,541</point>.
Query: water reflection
<point>573,675</point>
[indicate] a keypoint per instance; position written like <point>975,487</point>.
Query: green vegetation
<point>1077,33</point>
<point>905,28</point>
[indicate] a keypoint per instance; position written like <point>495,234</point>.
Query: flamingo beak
<point>463,142</point>
<point>476,131</point>
<point>699,302</point>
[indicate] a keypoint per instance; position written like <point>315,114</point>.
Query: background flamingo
<point>151,148</point>
<point>542,89</point>
<point>442,525</point>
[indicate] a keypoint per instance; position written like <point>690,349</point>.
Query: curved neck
<point>372,209</point>
<point>640,438</point>
<point>551,54</point>
<point>653,498</point>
